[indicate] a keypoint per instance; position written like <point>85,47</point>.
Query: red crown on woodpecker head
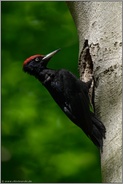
<point>31,58</point>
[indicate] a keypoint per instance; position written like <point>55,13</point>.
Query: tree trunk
<point>99,26</point>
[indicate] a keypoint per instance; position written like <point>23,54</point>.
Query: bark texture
<point>100,23</point>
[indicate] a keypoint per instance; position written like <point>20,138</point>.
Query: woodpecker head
<point>38,62</point>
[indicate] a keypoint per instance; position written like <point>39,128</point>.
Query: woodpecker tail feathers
<point>98,132</point>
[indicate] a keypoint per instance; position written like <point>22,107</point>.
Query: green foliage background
<point>39,143</point>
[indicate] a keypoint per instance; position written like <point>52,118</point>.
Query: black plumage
<point>70,93</point>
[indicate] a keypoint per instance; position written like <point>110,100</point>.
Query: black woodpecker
<point>70,93</point>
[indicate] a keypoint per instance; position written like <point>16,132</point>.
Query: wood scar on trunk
<point>86,70</point>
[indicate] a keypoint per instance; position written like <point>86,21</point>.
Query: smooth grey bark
<point>101,24</point>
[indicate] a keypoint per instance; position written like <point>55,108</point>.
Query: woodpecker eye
<point>36,59</point>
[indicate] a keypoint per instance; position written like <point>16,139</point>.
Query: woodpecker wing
<point>71,95</point>
<point>79,104</point>
<point>72,98</point>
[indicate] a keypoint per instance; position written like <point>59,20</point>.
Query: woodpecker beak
<point>50,55</point>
